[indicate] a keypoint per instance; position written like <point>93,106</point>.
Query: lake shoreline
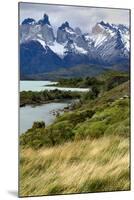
<point>44,97</point>
<point>38,86</point>
<point>39,104</point>
<point>67,86</point>
<point>43,112</point>
<point>47,102</point>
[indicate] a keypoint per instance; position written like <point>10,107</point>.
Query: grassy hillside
<point>92,119</point>
<point>75,167</point>
<point>108,97</point>
<point>84,150</point>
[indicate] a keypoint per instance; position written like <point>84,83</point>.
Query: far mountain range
<point>70,52</point>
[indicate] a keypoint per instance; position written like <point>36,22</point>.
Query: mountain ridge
<point>107,44</point>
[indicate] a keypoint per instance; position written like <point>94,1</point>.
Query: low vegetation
<point>79,82</point>
<point>108,80</point>
<point>84,150</point>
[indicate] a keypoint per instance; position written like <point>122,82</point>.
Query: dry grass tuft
<point>76,167</point>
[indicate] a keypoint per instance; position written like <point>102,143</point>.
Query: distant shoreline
<point>46,102</point>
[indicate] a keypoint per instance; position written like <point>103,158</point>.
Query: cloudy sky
<point>83,17</point>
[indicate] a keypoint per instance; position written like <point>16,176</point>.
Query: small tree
<point>38,124</point>
<point>95,91</point>
<point>92,94</point>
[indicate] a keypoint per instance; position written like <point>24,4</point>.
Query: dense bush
<point>119,128</point>
<point>80,82</point>
<point>76,117</point>
<point>114,81</point>
<point>90,130</point>
<point>114,112</point>
<point>37,137</point>
<point>34,138</point>
<point>38,124</point>
<point>72,82</point>
<point>60,132</point>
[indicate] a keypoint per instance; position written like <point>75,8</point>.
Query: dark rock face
<point>44,21</point>
<point>28,21</point>
<point>35,59</point>
<point>64,25</point>
<point>72,59</point>
<point>81,42</point>
<point>32,30</point>
<point>78,31</point>
<point>47,34</point>
<point>65,33</point>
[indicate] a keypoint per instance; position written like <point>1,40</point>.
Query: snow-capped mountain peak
<point>106,44</point>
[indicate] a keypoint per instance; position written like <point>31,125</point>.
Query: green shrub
<point>34,138</point>
<point>114,81</point>
<point>38,124</point>
<point>37,137</point>
<point>75,118</point>
<point>119,128</point>
<point>115,112</point>
<point>60,132</point>
<point>123,102</point>
<point>90,130</point>
<point>81,116</point>
<point>92,94</point>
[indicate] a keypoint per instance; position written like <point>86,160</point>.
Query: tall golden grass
<point>76,167</point>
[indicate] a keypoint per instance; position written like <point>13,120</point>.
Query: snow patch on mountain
<point>70,31</point>
<point>125,40</point>
<point>80,50</point>
<point>42,42</point>
<point>58,48</point>
<point>99,39</point>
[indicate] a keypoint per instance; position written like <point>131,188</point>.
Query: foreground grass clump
<point>76,167</point>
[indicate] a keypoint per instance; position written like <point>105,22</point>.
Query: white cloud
<point>83,17</point>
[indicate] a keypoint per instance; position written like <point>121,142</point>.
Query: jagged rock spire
<point>28,21</point>
<point>45,20</point>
